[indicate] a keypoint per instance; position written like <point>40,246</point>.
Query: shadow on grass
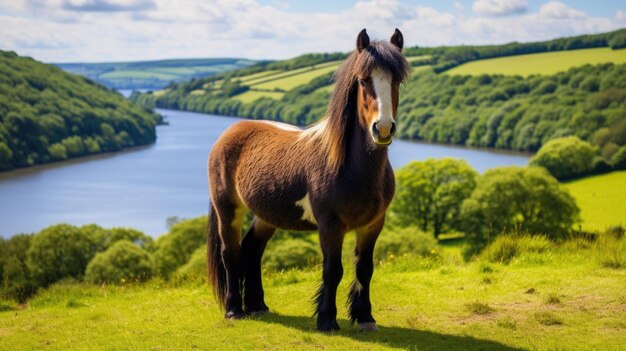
<point>395,337</point>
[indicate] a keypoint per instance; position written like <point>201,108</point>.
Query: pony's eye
<point>362,82</point>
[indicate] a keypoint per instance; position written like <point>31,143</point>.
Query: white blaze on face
<point>382,87</point>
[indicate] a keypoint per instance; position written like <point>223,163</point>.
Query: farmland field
<point>290,82</point>
<point>252,95</point>
<point>601,200</point>
<point>544,63</point>
<point>538,301</point>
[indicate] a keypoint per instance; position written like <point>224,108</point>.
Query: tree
<point>15,278</point>
<point>61,251</point>
<point>565,158</point>
<point>517,199</point>
<point>429,193</point>
<point>175,248</point>
<point>619,159</point>
<point>124,261</point>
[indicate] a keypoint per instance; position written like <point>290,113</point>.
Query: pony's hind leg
<point>252,248</point>
<point>359,305</point>
<point>230,218</point>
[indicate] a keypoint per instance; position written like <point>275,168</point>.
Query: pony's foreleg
<point>331,240</point>
<point>359,305</point>
<point>252,247</point>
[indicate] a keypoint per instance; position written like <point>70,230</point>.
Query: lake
<point>142,187</point>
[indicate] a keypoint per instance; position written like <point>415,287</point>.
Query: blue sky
<point>117,30</point>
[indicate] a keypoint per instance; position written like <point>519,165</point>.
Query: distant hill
<point>513,96</point>
<point>153,74</point>
<point>48,115</point>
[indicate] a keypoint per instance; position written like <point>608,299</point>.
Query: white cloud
<point>557,9</point>
<point>620,15</point>
<point>459,6</point>
<point>499,7</point>
<point>50,31</point>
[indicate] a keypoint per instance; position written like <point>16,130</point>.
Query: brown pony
<point>333,177</point>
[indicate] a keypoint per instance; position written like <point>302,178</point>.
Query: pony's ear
<point>397,39</point>
<point>362,41</point>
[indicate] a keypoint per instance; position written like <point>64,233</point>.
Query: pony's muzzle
<point>383,132</point>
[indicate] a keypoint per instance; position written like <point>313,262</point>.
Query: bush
<point>507,247</point>
<point>565,158</point>
<point>610,250</point>
<point>140,239</point>
<point>429,193</point>
<point>518,200</point>
<point>619,159</point>
<point>124,261</point>
<point>15,278</point>
<point>409,240</point>
<point>174,249</point>
<point>62,251</point>
<point>196,268</point>
<point>290,253</point>
<point>600,166</point>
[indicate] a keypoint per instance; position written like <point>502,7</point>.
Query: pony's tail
<point>215,265</point>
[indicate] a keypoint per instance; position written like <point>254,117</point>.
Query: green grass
<point>442,305</point>
<point>544,63</point>
<point>291,81</point>
<point>252,95</point>
<point>419,58</point>
<point>138,74</point>
<point>601,200</point>
<point>254,76</point>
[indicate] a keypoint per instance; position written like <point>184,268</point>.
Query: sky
<point>131,30</point>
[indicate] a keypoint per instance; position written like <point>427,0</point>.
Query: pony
<point>334,177</point>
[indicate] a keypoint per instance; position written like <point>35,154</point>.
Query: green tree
<point>517,199</point>
<point>290,253</point>
<point>565,158</point>
<point>15,278</point>
<point>619,159</point>
<point>123,261</point>
<point>174,249</point>
<point>61,251</point>
<point>5,156</point>
<point>429,193</point>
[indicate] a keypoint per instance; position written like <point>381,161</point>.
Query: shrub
<point>196,268</point>
<point>124,261</point>
<point>600,166</point>
<point>174,249</point>
<point>565,158</point>
<point>619,159</point>
<point>61,251</point>
<point>290,253</point>
<point>610,251</point>
<point>519,200</point>
<point>114,235</point>
<point>506,247</point>
<point>15,278</point>
<point>57,152</point>
<point>429,193</point>
<point>409,240</point>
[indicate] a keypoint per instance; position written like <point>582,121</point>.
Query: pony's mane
<point>332,129</point>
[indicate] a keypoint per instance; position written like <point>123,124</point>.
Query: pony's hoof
<point>260,312</point>
<point>234,315</point>
<point>328,327</point>
<point>368,327</point>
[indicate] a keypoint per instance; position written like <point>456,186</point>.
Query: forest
<point>49,115</point>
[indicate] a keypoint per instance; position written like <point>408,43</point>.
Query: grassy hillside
<point>601,200</point>
<point>47,115</point>
<point>544,63</point>
<point>540,301</point>
<point>518,112</point>
<point>153,74</point>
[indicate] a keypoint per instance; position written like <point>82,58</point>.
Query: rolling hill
<point>47,115</point>
<point>153,74</point>
<point>515,96</point>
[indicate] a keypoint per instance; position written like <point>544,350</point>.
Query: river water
<point>142,187</point>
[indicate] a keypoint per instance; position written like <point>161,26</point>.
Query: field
<point>152,74</point>
<point>544,63</point>
<point>601,200</point>
<point>549,301</point>
<point>252,95</point>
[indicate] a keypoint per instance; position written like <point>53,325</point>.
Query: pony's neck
<point>362,155</point>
